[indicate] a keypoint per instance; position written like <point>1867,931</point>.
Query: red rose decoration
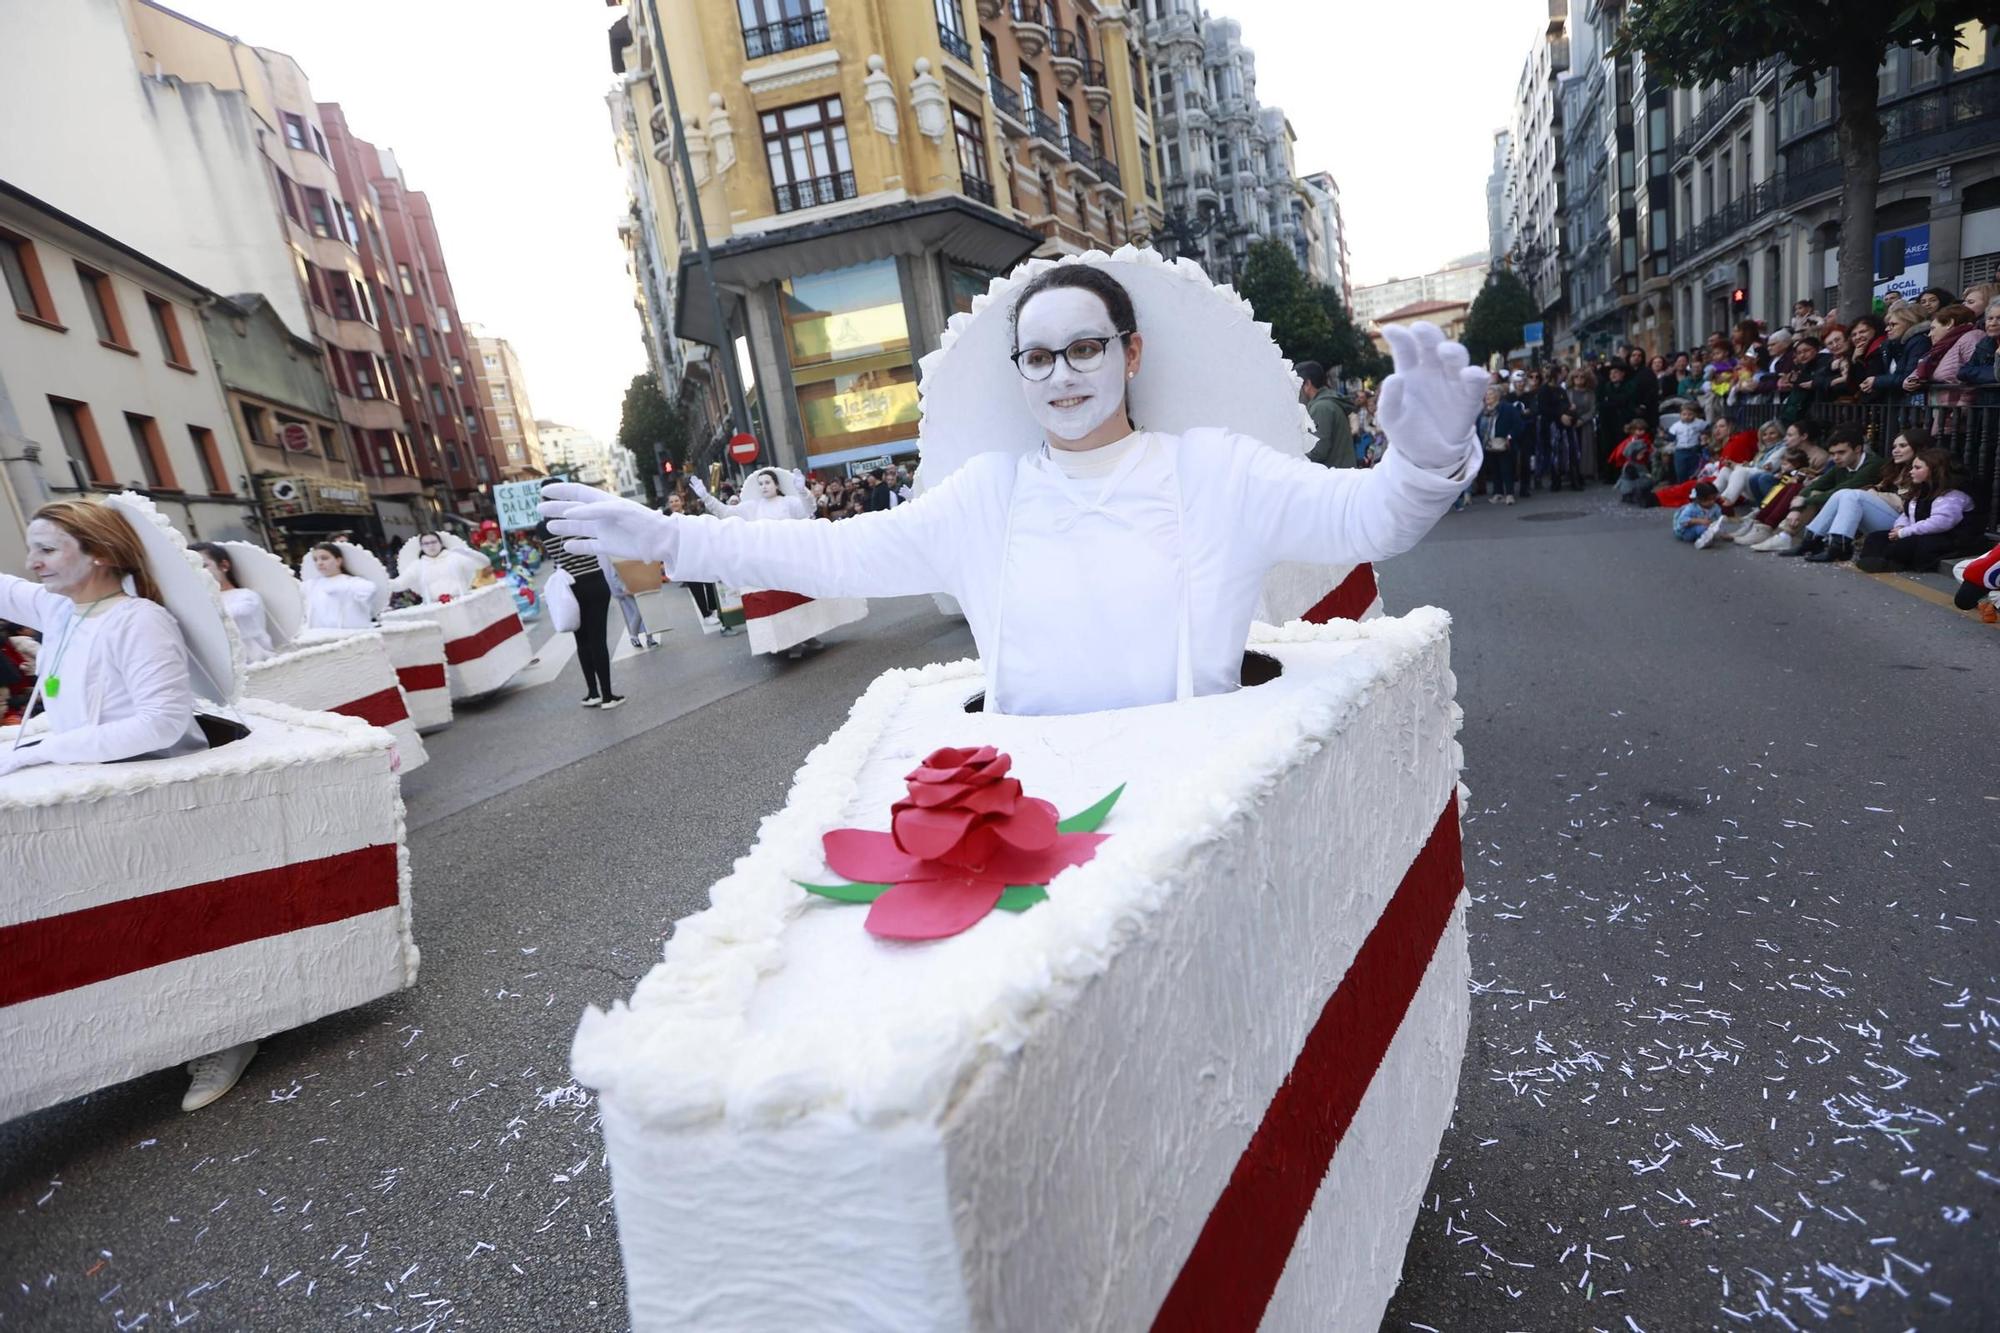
<point>443,597</point>
<point>964,840</point>
<point>963,810</point>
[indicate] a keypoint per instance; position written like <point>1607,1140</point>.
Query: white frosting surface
<point>327,669</point>
<point>301,786</point>
<point>775,1015</point>
<point>465,616</point>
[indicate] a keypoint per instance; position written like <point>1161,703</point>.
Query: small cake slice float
<point>485,644</point>
<point>343,671</point>
<point>1200,1086</point>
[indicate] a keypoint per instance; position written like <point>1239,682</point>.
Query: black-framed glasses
<point>1084,355</point>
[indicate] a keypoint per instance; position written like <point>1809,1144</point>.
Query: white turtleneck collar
<point>1086,464</point>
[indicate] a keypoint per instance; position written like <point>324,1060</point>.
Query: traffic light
<point>1738,299</point>
<point>667,466</point>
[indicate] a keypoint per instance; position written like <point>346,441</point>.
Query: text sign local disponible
<point>518,504</point>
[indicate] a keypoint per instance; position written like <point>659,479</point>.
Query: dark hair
<point>1945,295</point>
<point>1846,433</point>
<point>1919,438</point>
<point>334,551</point>
<point>1797,457</point>
<point>219,556</point>
<point>1086,277</point>
<point>1809,428</point>
<point>1805,301</point>
<point>1943,473</point>
<point>1705,490</point>
<point>1312,372</point>
<point>1805,340</point>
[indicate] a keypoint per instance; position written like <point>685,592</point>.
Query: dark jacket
<point>1901,358</point>
<point>1979,370</point>
<point>1328,411</point>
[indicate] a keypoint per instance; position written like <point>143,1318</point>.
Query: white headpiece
<point>361,564</point>
<point>253,567</point>
<point>191,596</point>
<point>1207,362</point>
<point>412,550</point>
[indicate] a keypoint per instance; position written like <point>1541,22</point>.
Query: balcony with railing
<point>1045,127</point>
<point>1079,152</point>
<point>1006,105</point>
<point>975,188</point>
<point>1726,222</point>
<point>1066,56</point>
<point>1030,27</point>
<point>785,35</point>
<point>1939,122</point>
<point>1097,90</point>
<point>954,44</point>
<point>1177,27</point>
<point>791,196</point>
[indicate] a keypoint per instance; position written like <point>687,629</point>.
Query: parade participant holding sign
<point>786,622</point>
<point>112,677</point>
<point>244,606</point>
<point>1100,564</point>
<point>337,598</point>
<point>434,571</point>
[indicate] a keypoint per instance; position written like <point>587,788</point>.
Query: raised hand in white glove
<point>1430,404</point>
<point>594,522</point>
<point>800,478</point>
<point>13,760</point>
<point>694,484</point>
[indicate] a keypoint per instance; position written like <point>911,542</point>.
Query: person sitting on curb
<point>1864,509</point>
<point>1854,464</point>
<point>1937,520</point>
<point>1699,515</point>
<point>1788,478</point>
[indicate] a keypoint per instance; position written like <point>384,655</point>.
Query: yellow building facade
<point>864,170</point>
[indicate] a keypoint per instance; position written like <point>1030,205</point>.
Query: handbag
<point>1499,444</point>
<point>559,596</point>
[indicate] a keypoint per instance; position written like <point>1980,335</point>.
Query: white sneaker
<point>1752,533</point>
<point>1508,499</point>
<point>1777,541</point>
<point>213,1075</point>
<point>1709,535</point>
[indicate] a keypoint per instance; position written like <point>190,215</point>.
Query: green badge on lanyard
<point>52,687</point>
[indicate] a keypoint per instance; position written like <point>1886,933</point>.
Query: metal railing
<point>976,188</point>
<point>1062,44</point>
<point>1026,11</point>
<point>1971,435</point>
<point>954,44</point>
<point>1079,151</point>
<point>1950,118</point>
<point>1721,103</point>
<point>1726,221</point>
<point>784,35</point>
<point>1045,126</point>
<point>813,191</point>
<point>1093,77</point>
<point>1005,100</point>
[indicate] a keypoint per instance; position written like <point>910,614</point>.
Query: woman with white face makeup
<point>336,598</point>
<point>1103,564</point>
<point>434,571</point>
<point>787,622</point>
<point>112,676</point>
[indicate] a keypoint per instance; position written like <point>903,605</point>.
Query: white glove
<point>593,522</point>
<point>694,484</point>
<point>800,478</point>
<point>1430,404</point>
<point>14,760</point>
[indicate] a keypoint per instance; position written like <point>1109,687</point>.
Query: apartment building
<point>106,383</point>
<point>1327,260</point>
<point>1534,195</point>
<point>507,417</point>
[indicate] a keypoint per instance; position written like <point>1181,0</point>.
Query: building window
<point>492,361</point>
<point>859,409</point>
<point>500,395</point>
<point>438,404</point>
<point>405,281</point>
<point>340,294</point>
<point>295,131</point>
<point>444,320</point>
<point>845,314</point>
<point>971,139</point>
<point>329,444</point>
<point>152,452</point>
<point>1031,89</point>
<point>806,146</point>
<point>24,279</point>
<point>320,214</point>
<point>210,455</point>
<point>771,26</point>
<point>167,325</point>
<point>79,436</point>
<point>951,30</point>
<point>506,421</point>
<point>458,370</point>
<point>965,284</point>
<point>253,426</point>
<point>102,299</point>
<point>423,338</point>
<point>319,144</point>
<point>367,372</point>
<point>290,193</point>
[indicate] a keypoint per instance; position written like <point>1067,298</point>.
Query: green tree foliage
<point>1308,322</point>
<point>653,430</point>
<point>1688,42</point>
<point>1493,325</point>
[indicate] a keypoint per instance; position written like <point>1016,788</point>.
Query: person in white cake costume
<point>113,678</point>
<point>771,494</point>
<point>244,607</point>
<point>336,598</point>
<point>1100,564</point>
<point>438,574</point>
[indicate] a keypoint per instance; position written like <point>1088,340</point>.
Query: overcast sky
<point>495,108</point>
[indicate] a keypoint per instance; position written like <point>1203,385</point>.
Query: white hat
<point>253,567</point>
<point>1208,362</point>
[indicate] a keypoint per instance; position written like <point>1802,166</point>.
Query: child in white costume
<point>1099,565</point>
<point>338,596</point>
<point>435,571</point>
<point>244,606</point>
<point>781,621</point>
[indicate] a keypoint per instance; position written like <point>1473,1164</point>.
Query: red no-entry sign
<point>743,448</point>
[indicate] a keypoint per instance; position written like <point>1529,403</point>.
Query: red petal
<point>995,798</point>
<point>867,857</point>
<point>929,795</point>
<point>1031,828</point>
<point>929,834</point>
<point>932,909</point>
<point>1019,866</point>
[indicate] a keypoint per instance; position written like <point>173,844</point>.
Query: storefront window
<point>845,313</point>
<point>965,285</point>
<point>862,410</point>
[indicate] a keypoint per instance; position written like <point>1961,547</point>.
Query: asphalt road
<point>1733,1056</point>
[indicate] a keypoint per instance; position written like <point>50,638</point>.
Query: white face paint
<point>767,486</point>
<point>1069,405</point>
<point>430,545</point>
<point>57,559</point>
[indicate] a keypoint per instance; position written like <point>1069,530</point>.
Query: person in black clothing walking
<point>593,601</point>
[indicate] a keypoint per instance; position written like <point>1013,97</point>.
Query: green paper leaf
<point>1086,821</point>
<point>1021,897</point>
<point>846,893</point>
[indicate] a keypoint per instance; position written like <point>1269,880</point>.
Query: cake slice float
<point>1199,1085</point>
<point>485,644</point>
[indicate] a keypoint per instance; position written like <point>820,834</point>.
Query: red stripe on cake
<point>1350,601</point>
<point>477,645</point>
<point>758,605</point>
<point>1229,1277</point>
<point>60,953</point>
<point>424,676</point>
<point>380,709</point>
